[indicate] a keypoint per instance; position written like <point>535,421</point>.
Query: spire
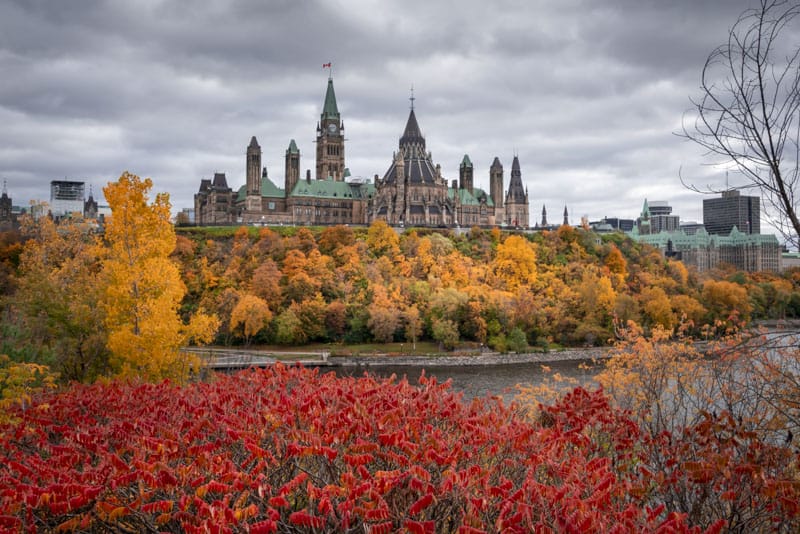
<point>292,148</point>
<point>330,110</point>
<point>412,133</point>
<point>411,99</point>
<point>516,191</point>
<point>544,215</point>
<point>5,187</point>
<point>566,216</point>
<point>496,164</point>
<point>466,162</point>
<point>253,143</point>
<point>646,210</point>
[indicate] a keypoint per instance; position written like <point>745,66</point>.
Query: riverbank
<point>483,358</point>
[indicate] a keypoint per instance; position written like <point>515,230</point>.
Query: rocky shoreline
<point>484,358</point>
<point>236,359</point>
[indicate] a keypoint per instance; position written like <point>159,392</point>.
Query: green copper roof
<point>682,241</point>
<point>470,199</point>
<point>292,148</point>
<point>268,189</point>
<point>330,189</point>
<point>466,162</point>
<point>330,110</point>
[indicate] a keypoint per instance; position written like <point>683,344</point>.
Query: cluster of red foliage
<point>287,449</point>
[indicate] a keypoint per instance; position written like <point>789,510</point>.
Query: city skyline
<point>588,96</point>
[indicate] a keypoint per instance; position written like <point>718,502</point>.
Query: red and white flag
<point>326,65</point>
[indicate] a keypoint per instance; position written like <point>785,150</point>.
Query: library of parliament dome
<point>412,191</point>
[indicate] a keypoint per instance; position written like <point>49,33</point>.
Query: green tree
<point>60,322</point>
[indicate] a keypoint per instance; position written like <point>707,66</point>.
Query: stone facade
<point>745,252</point>
<point>412,192</point>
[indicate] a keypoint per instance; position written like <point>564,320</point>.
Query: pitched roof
<point>330,110</point>
<point>331,189</point>
<point>466,162</point>
<point>516,191</point>
<point>253,143</point>
<point>292,148</point>
<point>470,198</point>
<point>496,163</point>
<point>412,134</point>
<point>268,189</point>
<point>219,181</point>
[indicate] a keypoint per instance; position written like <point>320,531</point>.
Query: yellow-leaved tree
<point>143,288</point>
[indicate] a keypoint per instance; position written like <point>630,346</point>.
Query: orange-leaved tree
<point>143,288</point>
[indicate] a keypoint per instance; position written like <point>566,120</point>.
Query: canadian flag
<point>326,65</point>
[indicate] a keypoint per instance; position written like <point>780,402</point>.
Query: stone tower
<point>5,205</point>
<point>516,198</point>
<point>292,169</point>
<point>496,186</point>
<point>253,202</point>
<point>465,174</point>
<point>544,215</point>
<point>330,139</point>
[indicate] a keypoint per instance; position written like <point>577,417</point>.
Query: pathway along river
<point>481,380</point>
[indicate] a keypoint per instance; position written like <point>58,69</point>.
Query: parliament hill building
<point>412,192</point>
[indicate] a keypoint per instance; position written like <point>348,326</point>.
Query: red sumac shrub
<point>290,449</point>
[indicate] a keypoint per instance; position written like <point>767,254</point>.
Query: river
<point>476,381</point>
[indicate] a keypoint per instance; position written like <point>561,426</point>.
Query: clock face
<point>332,128</point>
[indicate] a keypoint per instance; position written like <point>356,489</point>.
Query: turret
<point>292,167</point>
<point>253,167</point>
<point>465,174</point>
<point>496,183</point>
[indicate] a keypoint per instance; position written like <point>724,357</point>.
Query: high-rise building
<point>5,206</point>
<point>657,217</point>
<point>721,214</point>
<point>66,197</point>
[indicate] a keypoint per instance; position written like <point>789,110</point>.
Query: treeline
<point>72,298</point>
<point>293,286</point>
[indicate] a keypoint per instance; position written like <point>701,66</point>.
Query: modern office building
<point>721,215</point>
<point>66,197</point>
<point>657,217</point>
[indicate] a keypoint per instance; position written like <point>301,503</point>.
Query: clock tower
<point>330,139</point>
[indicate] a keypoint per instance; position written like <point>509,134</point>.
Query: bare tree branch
<point>748,112</point>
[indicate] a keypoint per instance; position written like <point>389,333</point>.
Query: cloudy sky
<point>588,93</point>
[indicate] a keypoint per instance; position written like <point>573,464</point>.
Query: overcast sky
<point>588,93</point>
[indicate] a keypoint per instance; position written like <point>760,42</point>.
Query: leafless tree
<point>748,112</point>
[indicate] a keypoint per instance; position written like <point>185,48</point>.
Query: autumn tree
<point>57,297</point>
<point>726,300</point>
<point>382,240</point>
<point>250,316</point>
<point>142,288</point>
<point>384,314</point>
<point>514,264</point>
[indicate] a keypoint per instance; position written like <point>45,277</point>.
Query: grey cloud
<point>587,93</point>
